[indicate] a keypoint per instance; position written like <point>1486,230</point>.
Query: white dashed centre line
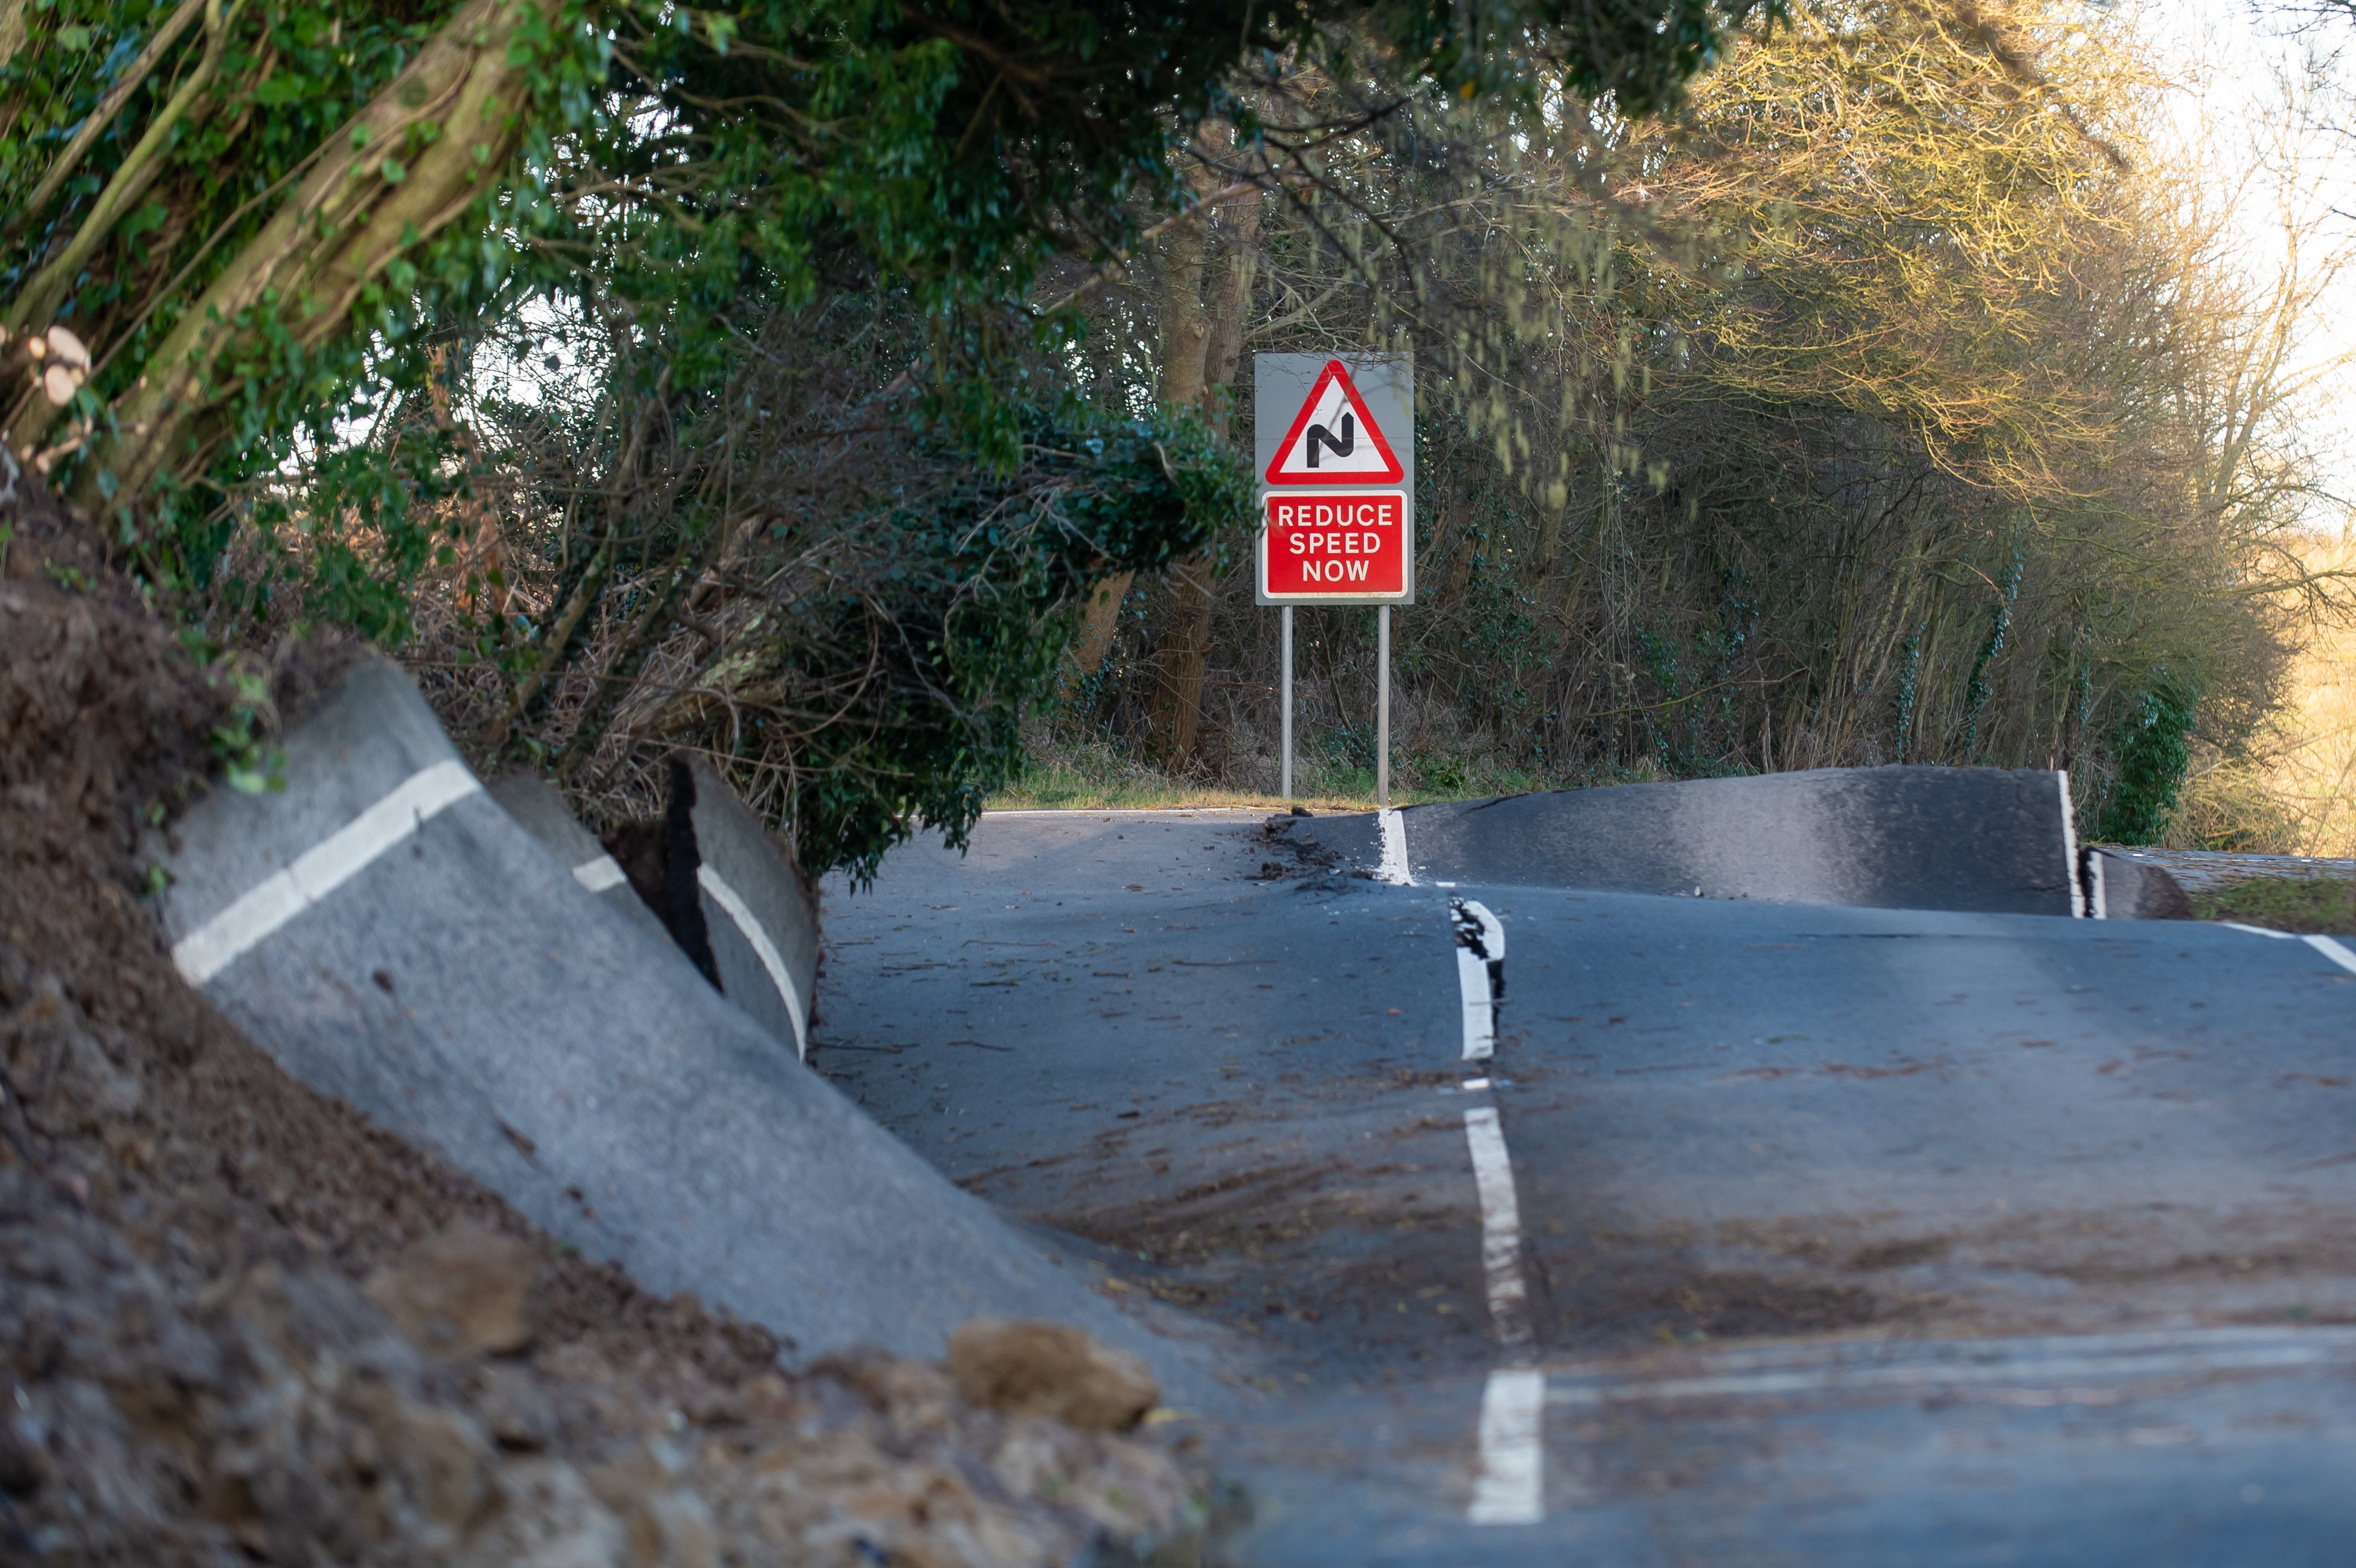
<point>1509,1487</point>
<point>1501,1229</point>
<point>1480,950</point>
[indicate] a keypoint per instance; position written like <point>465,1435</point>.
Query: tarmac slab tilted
<point>392,937</point>
<point>1988,839</point>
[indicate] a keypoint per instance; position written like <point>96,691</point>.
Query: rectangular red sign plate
<point>1333,546</point>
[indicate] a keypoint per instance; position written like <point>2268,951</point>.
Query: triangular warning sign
<point>1333,440</point>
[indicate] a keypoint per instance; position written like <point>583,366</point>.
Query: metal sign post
<point>1287,705</point>
<point>1383,710</point>
<point>1335,456</point>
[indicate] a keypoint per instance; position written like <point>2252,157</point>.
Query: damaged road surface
<point>1629,1228</point>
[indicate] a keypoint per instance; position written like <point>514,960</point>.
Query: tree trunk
<point>1182,331</point>
<point>1099,619</point>
<point>1176,718</point>
<point>453,118</point>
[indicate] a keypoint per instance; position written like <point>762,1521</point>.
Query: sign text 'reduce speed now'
<point>1333,545</point>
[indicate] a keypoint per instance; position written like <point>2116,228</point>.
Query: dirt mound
<point>241,1324</point>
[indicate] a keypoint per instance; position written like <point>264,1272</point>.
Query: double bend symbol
<point>1318,435</point>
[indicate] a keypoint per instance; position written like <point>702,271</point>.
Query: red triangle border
<point>1334,369</point>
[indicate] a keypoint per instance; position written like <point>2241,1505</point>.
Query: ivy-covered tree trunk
<point>422,154</point>
<point>1184,329</point>
<point>1183,659</point>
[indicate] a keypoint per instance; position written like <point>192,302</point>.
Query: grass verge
<point>2324,905</point>
<point>1086,776</point>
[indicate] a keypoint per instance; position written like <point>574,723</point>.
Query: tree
<point>1853,413</point>
<point>270,224</point>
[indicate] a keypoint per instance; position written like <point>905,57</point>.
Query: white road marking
<point>2334,949</point>
<point>2098,896</point>
<point>599,874</point>
<point>1509,1488</point>
<point>320,870</point>
<point>2080,903</point>
<point>1127,812</point>
<point>1501,1228</point>
<point>762,948</point>
<point>1479,1011</point>
<point>1986,1364</point>
<point>1478,928</point>
<point>1480,944</point>
<point>1394,866</point>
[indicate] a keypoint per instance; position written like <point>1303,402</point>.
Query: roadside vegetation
<point>1873,407</point>
<point>652,378</point>
<point>854,394</point>
<point>2324,905</point>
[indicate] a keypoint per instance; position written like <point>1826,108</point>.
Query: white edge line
<point>2099,896</point>
<point>2080,902</point>
<point>2254,930</point>
<point>600,873</point>
<point>1509,1488</point>
<point>320,870</point>
<point>1394,866</point>
<point>2334,949</point>
<point>766,950</point>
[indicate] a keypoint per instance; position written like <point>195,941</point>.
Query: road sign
<point>1353,416</point>
<point>1334,438</point>
<point>1319,547</point>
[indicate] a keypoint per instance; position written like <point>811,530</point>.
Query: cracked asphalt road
<point>1850,1235</point>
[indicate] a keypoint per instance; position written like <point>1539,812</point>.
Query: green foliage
<point>1095,494</point>
<point>2325,906</point>
<point>2153,750</point>
<point>1863,411</point>
<point>670,186</point>
<point>251,764</point>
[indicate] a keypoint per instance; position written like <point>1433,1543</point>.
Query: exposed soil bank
<point>240,1324</point>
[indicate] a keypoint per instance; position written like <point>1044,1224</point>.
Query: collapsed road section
<point>394,938</point>
<point>1894,838</point>
<point>1720,1158</point>
<point>1479,1231</point>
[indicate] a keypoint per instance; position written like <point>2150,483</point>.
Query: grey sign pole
<point>1281,384</point>
<point>1287,705</point>
<point>1383,710</point>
